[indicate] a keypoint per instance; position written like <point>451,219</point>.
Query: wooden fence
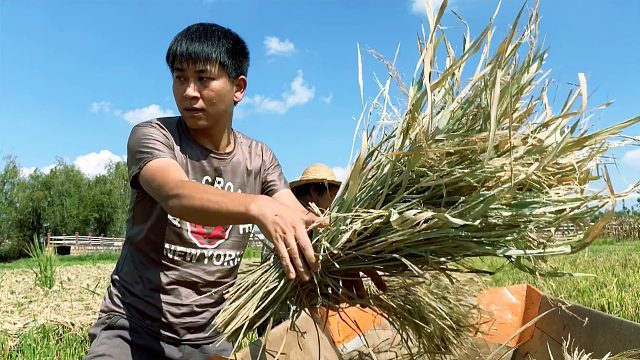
<point>623,229</point>
<point>618,229</point>
<point>81,244</point>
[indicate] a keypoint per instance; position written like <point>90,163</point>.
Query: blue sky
<point>75,75</point>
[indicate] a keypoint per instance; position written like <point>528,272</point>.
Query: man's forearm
<point>206,205</point>
<point>287,197</point>
<point>197,203</point>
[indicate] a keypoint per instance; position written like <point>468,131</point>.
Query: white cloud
<point>48,168</point>
<point>93,164</point>
<point>632,158</point>
<point>275,46</point>
<point>341,172</point>
<point>419,7</point>
<point>101,106</point>
<point>132,116</point>
<point>150,112</point>
<point>299,94</point>
<point>327,99</point>
<point>25,172</point>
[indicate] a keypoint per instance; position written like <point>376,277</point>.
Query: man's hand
<point>353,285</point>
<point>287,227</point>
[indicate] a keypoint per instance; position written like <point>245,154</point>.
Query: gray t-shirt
<point>168,265</point>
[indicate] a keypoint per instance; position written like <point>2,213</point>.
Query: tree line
<point>62,201</point>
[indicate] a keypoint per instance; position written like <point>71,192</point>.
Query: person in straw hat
<point>318,185</point>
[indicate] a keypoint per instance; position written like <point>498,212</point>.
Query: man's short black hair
<point>207,44</point>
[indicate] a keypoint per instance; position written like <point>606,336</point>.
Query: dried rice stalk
<point>577,354</point>
<point>482,167</point>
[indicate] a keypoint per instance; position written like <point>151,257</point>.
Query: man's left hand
<point>352,282</point>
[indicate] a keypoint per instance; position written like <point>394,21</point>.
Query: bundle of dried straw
<point>466,169</point>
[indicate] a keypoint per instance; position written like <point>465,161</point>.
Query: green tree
<point>9,179</point>
<point>67,205</point>
<point>108,196</point>
<point>62,201</point>
<point>9,186</point>
<point>31,202</point>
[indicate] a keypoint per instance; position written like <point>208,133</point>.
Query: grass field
<point>94,259</point>
<point>47,341</point>
<point>613,290</point>
<point>88,259</point>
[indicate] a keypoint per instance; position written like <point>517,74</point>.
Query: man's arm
<point>286,197</point>
<point>284,225</point>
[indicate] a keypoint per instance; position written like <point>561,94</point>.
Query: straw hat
<point>316,173</point>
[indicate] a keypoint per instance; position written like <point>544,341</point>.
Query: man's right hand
<point>286,227</point>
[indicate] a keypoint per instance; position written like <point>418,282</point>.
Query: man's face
<point>205,95</point>
<point>333,192</point>
<point>325,198</point>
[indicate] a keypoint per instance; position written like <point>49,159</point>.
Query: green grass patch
<point>85,259</point>
<point>55,342</point>
<point>251,337</point>
<point>96,258</point>
<point>252,252</point>
<point>45,263</point>
<point>613,288</point>
<point>48,341</point>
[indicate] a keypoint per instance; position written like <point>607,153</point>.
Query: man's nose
<point>191,91</point>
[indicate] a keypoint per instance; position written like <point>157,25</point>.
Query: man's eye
<point>205,78</point>
<point>179,77</point>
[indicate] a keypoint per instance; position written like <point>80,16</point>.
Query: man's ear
<point>240,85</point>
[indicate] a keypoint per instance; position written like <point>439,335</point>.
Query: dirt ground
<point>74,300</point>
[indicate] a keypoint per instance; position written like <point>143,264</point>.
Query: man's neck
<point>220,139</point>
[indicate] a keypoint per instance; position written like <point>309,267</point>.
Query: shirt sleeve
<point>148,141</point>
<point>273,179</point>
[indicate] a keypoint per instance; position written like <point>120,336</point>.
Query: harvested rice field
<point>74,300</point>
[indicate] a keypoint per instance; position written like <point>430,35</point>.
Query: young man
<point>197,186</point>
